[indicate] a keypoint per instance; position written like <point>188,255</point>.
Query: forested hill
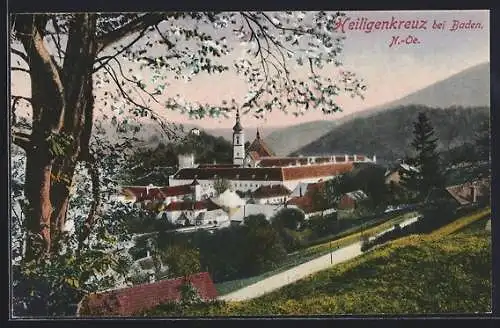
<point>388,134</point>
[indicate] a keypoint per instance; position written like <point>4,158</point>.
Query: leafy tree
<point>221,185</point>
<point>264,246</point>
<point>150,166</point>
<point>427,175</point>
<point>289,218</point>
<point>181,260</point>
<point>482,141</point>
<point>76,65</point>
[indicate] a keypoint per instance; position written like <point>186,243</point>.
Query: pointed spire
<point>237,127</point>
<point>258,133</point>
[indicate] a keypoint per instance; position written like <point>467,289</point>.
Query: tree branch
<point>155,116</point>
<point>20,69</point>
<point>57,41</point>
<point>141,34</point>
<point>28,29</point>
<point>20,54</point>
<point>21,139</point>
<point>91,165</point>
<point>130,28</point>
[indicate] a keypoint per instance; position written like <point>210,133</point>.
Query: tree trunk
<point>62,104</point>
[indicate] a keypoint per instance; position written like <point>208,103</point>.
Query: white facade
<point>207,186</point>
<point>274,200</point>
<point>307,216</point>
<point>216,217</point>
<point>238,148</point>
<point>191,215</point>
<point>186,161</point>
<point>255,209</point>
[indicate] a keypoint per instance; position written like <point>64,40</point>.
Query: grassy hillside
<point>448,271</point>
<point>286,140</point>
<point>389,133</point>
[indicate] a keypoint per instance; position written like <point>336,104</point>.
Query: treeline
<point>389,133</point>
<point>154,165</point>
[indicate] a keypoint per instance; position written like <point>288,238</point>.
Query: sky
<point>389,72</point>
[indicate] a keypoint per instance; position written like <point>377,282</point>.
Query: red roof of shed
<point>134,300</point>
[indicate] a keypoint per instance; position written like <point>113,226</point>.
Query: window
<point>237,140</point>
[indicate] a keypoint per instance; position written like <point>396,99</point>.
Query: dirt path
<point>301,271</point>
<point>289,276</point>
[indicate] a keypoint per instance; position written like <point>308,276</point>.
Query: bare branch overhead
<point>130,28</point>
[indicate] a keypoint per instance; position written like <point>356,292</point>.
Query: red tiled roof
<point>265,173</point>
<point>312,187</point>
<point>463,193</point>
<point>134,300</point>
<point>188,205</point>
<point>254,155</point>
<point>247,174</point>
<point>282,161</point>
<point>142,193</point>
<point>307,204</point>
<point>315,171</point>
<point>259,146</point>
<point>271,191</point>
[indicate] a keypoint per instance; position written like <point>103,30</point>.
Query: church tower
<point>238,142</point>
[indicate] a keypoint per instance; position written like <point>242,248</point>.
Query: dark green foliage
<point>180,260</point>
<point>393,132</point>
<point>150,166</point>
<point>206,148</point>
<point>482,141</point>
<point>239,251</point>
<point>436,216</point>
<point>370,178</point>
<point>145,221</point>
<point>155,165</point>
<point>289,218</point>
<point>323,225</point>
<point>427,175</point>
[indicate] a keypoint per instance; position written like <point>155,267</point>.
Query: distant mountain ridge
<point>468,88</point>
<point>286,140</point>
<point>388,134</point>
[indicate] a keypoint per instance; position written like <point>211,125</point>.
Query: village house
<point>187,211</point>
<point>351,200</point>
<point>393,175</point>
<point>268,210</point>
<point>272,194</point>
<point>153,196</point>
<point>217,217</point>
<point>470,192</point>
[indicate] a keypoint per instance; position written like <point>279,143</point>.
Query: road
<point>301,271</point>
<point>290,276</point>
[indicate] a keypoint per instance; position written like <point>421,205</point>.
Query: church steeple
<point>238,141</point>
<point>258,133</point>
<point>237,127</point>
